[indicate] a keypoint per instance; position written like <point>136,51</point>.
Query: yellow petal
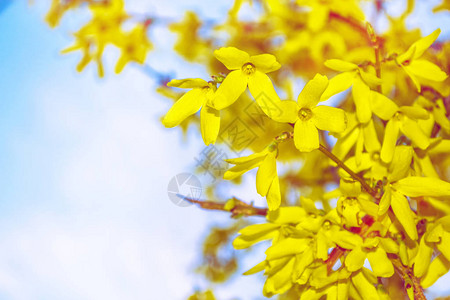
<point>243,242</point>
<point>256,269</point>
<point>389,245</point>
<point>382,106</point>
<point>346,239</point>
<point>285,215</point>
<point>261,88</point>
<point>340,65</point>
<point>438,267</point>
<point>413,78</point>
<point>241,168</point>
<point>439,113</point>
<point>187,105</point>
<point>265,63</point>
<point>188,83</point>
<point>322,246</point>
<point>244,159</point>
<point>390,139</point>
<point>414,112</point>
<point>258,229</point>
<point>380,263</point>
<point>301,262</point>
<point>414,186</point>
<point>337,84</point>
<point>285,247</point>
<point>274,195</point>
<point>401,163</point>
<point>366,289</point>
<point>232,57</point>
<point>385,201</point>
<point>210,124</point>
<point>404,214</point>
<point>444,245</point>
<point>424,43</point>
<point>345,144</point>
<point>306,136</point>
<point>289,111</point>
<point>412,130</point>
<point>425,69</point>
<point>266,172</point>
<point>311,93</point>
<point>355,259</point>
<point>423,258</point>
<point>329,118</point>
<point>369,78</point>
<point>371,142</point>
<point>361,93</point>
<point>230,89</point>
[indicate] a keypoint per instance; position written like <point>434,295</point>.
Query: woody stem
<point>355,176</point>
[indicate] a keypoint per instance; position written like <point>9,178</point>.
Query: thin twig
<point>408,276</point>
<point>355,176</point>
<point>237,208</point>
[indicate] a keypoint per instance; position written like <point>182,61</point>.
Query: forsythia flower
<point>267,183</point>
<point>199,97</point>
<point>354,76</point>
<point>415,67</point>
<point>400,185</point>
<point>134,46</point>
<point>308,117</point>
<point>246,71</point>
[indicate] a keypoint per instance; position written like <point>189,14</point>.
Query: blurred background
<point>85,164</point>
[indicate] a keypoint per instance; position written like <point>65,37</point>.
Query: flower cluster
<point>355,172</point>
<point>105,28</point>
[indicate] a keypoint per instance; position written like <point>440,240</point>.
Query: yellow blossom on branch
<point>246,71</point>
<point>309,118</point>
<point>199,97</point>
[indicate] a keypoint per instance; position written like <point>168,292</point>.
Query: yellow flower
<point>445,5</point>
<point>308,117</point>
<point>352,75</point>
<point>134,46</point>
<point>415,67</point>
<point>359,135</point>
<point>246,71</point>
<point>267,183</point>
<point>399,186</point>
<point>199,97</point>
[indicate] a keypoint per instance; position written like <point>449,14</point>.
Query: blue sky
<point>84,167</point>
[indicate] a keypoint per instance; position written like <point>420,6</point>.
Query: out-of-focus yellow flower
<point>134,46</point>
<point>189,44</point>
<point>267,183</point>
<point>308,117</point>
<point>246,71</point>
<point>58,8</point>
<point>320,11</point>
<point>445,5</point>
<point>199,97</point>
<point>415,67</point>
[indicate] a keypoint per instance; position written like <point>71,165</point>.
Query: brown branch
<point>408,276</point>
<point>355,176</point>
<point>237,208</point>
<point>359,26</point>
